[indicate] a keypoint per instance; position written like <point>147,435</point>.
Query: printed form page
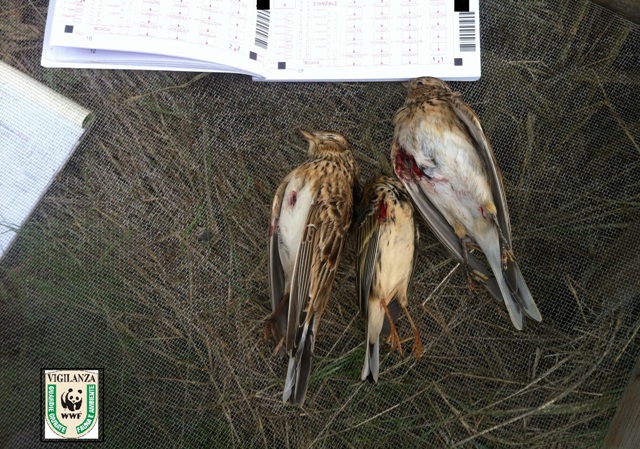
<point>39,129</point>
<point>222,32</point>
<point>373,40</point>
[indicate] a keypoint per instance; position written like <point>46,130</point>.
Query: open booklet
<point>39,129</point>
<point>295,40</point>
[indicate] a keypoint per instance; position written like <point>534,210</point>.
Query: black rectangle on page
<point>461,5</point>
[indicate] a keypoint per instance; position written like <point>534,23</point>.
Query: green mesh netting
<point>148,256</point>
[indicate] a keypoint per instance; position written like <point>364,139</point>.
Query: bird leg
<point>466,243</point>
<point>278,346</point>
<point>505,251</point>
<point>270,326</point>
<point>417,341</point>
<point>472,275</point>
<point>394,339</point>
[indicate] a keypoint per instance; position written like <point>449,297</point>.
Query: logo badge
<point>72,404</point>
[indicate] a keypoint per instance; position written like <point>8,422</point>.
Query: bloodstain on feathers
<point>382,211</point>
<point>406,162</point>
<point>293,198</point>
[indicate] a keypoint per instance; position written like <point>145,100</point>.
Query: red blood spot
<point>405,164</point>
<point>382,211</point>
<point>400,166</point>
<point>293,198</point>
<point>482,212</point>
<point>415,169</point>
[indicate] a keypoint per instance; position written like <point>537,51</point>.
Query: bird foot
<point>394,341</point>
<point>474,276</point>
<point>270,328</point>
<point>416,350</point>
<point>278,346</point>
<point>505,255</point>
<point>394,338</point>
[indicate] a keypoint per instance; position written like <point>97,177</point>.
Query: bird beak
<point>307,135</point>
<point>313,140</point>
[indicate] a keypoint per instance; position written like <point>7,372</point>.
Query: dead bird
<point>310,219</point>
<point>446,162</point>
<point>386,241</point>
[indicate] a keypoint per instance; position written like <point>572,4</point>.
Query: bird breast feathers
<point>297,201</point>
<point>451,154</point>
<point>396,248</point>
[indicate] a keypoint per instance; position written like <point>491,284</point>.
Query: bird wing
<point>445,234</point>
<point>472,123</point>
<point>416,241</point>
<point>367,240</point>
<point>276,272</point>
<point>318,256</point>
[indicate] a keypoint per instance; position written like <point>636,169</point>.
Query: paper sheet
<point>373,39</point>
<point>218,31</point>
<point>39,129</point>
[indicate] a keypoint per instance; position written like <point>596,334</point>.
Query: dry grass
<point>150,253</point>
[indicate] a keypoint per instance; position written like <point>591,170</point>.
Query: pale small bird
<point>310,219</point>
<point>386,241</point>
<point>446,162</point>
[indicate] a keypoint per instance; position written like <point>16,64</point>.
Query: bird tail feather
<point>299,368</point>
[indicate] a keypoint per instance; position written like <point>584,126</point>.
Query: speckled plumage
<point>445,160</point>
<point>310,219</point>
<point>386,237</point>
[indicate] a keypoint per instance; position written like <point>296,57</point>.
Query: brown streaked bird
<point>386,241</point>
<point>446,162</point>
<point>310,219</point>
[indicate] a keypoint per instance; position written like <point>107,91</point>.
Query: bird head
<point>321,141</point>
<point>426,85</point>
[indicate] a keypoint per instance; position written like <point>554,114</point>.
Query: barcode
<point>262,28</point>
<point>467,26</point>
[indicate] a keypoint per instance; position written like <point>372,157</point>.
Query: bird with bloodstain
<point>386,241</point>
<point>310,218</point>
<point>442,155</point>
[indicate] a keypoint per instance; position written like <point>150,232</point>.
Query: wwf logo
<point>71,401</point>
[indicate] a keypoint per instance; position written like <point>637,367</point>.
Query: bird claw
<point>477,276</point>
<point>270,328</point>
<point>470,282</point>
<point>416,350</point>
<point>278,346</point>
<point>394,341</point>
<point>505,252</point>
<point>505,255</point>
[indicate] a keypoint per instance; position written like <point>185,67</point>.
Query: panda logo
<point>71,401</point>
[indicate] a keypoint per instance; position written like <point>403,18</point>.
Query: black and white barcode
<point>262,28</point>
<point>467,27</point>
